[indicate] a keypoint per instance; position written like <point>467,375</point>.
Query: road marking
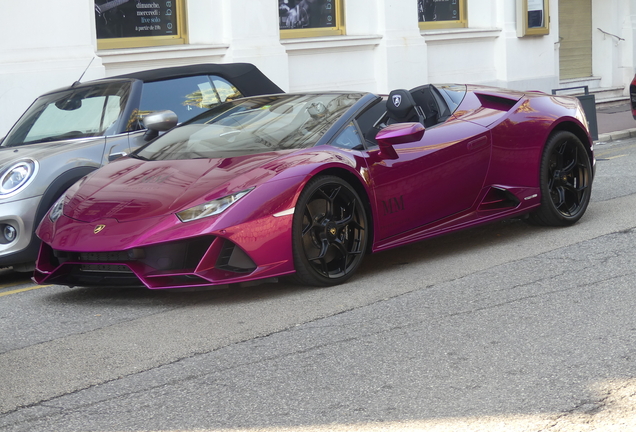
<point>615,157</point>
<point>607,158</point>
<point>9,285</point>
<point>22,290</point>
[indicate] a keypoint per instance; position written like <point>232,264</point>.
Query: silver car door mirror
<point>159,121</point>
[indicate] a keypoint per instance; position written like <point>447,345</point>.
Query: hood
<point>41,151</point>
<point>131,189</point>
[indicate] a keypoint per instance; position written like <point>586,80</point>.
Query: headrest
<point>400,105</point>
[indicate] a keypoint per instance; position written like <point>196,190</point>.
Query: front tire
<point>565,181</point>
<point>329,232</point>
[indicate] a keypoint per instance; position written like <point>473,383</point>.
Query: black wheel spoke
<point>324,246</point>
<point>307,228</point>
<point>567,170</point>
<point>560,197</point>
<point>329,199</point>
<point>348,216</point>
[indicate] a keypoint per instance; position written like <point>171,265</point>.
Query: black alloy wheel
<point>566,181</point>
<point>329,232</point>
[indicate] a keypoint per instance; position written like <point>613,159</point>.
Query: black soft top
<point>245,76</point>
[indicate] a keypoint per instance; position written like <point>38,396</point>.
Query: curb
<point>615,136</point>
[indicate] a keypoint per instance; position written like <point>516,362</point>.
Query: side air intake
<point>496,102</point>
<point>497,199</point>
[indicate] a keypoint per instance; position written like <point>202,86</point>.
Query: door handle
<point>113,156</point>
<point>477,143</point>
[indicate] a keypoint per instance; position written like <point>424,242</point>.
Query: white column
<point>401,60</point>
<point>254,36</point>
<point>529,62</point>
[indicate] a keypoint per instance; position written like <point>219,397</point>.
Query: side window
<point>224,90</point>
<point>348,138</point>
<point>368,119</point>
<point>187,97</point>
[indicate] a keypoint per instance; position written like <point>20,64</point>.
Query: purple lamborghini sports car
<point>306,184</point>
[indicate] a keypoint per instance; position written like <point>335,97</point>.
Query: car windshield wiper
<point>64,136</point>
<point>138,156</point>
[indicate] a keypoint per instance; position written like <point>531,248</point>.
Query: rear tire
<point>329,232</point>
<point>565,181</point>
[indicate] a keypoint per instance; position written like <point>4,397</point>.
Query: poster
<point>306,14</point>
<point>135,18</point>
<point>535,13</point>
<point>438,10</point>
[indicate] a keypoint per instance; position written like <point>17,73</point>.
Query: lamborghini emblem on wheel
<point>332,231</point>
<point>98,228</point>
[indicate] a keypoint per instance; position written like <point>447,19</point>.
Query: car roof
<point>249,80</point>
<point>247,77</point>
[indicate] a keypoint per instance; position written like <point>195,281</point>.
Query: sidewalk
<point>615,122</point>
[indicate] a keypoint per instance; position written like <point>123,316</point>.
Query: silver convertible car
<point>70,132</point>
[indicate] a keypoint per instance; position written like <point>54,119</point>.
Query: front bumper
<point>173,256</point>
<point>21,216</point>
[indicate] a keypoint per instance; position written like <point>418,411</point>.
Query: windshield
<point>77,113</point>
<point>253,125</point>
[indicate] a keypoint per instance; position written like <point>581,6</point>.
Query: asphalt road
<point>505,327</point>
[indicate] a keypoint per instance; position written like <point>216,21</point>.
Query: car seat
<point>401,108</point>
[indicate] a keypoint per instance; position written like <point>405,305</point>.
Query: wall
<point>42,49</point>
<point>382,50</point>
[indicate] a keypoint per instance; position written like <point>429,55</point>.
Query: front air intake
<point>233,259</point>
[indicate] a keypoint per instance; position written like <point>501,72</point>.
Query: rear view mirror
<point>70,104</point>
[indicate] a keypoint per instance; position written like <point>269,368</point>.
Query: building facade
<point>369,45</point>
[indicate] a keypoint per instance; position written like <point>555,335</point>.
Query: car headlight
<point>57,209</point>
<point>210,208</point>
<point>17,176</point>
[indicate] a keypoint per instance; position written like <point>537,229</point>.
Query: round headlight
<point>17,176</point>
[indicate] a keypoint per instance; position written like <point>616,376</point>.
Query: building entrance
<point>575,32</point>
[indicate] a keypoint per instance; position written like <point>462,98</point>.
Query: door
<point>436,177</point>
<point>575,35</point>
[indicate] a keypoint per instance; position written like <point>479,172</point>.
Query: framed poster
<point>533,17</point>
<point>305,18</point>
<point>130,23</point>
<point>441,13</point>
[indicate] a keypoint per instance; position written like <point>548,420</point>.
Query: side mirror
<point>398,133</point>
<point>159,121</point>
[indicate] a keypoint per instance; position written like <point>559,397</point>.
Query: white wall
<point>608,50</point>
<point>383,49</point>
